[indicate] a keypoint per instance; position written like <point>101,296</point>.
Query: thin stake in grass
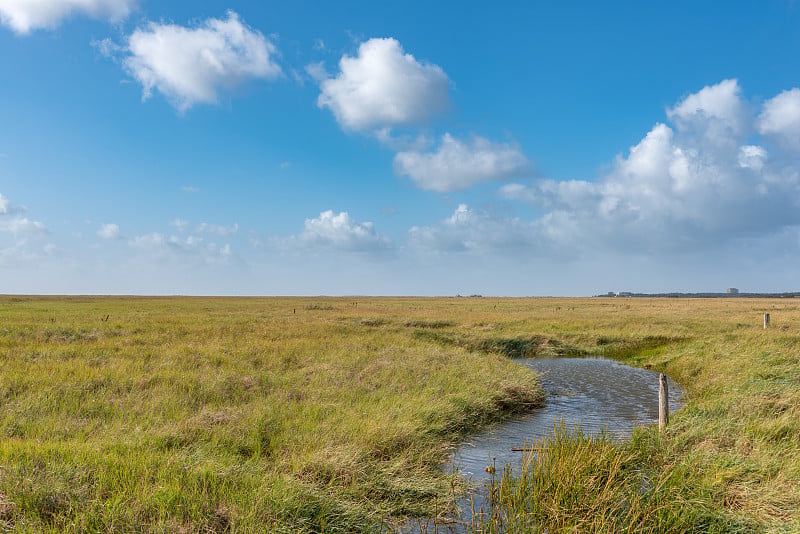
<point>663,401</point>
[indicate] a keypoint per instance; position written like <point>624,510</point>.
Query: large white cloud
<point>383,87</point>
<point>457,164</point>
<point>677,188</point>
<point>336,232</point>
<point>23,16</point>
<point>780,118</point>
<point>193,65</point>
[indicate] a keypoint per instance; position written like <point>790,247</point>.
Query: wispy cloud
<point>317,71</point>
<point>479,231</point>
<point>180,224</point>
<point>170,247</point>
<point>109,231</point>
<point>12,221</point>
<point>217,229</point>
<point>22,226</point>
<point>107,48</point>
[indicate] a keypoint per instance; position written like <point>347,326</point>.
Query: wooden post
<point>663,401</point>
<point>766,320</point>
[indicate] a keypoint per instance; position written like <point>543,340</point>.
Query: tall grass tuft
<point>571,482</point>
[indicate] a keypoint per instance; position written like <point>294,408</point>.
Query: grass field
<point>252,415</point>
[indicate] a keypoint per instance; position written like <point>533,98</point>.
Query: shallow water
<point>593,393</point>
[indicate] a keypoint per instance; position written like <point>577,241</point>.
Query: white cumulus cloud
<point>457,164</point>
<point>5,205</point>
<point>193,65</point>
<point>109,231</point>
<point>23,16</point>
<point>337,232</point>
<point>382,86</point>
<point>780,118</point>
<point>715,105</point>
<point>677,188</point>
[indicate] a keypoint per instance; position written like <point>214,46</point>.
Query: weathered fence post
<point>766,320</point>
<point>663,401</point>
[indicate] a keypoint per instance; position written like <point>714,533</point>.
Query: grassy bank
<point>189,415</point>
<point>170,415</point>
<point>728,462</point>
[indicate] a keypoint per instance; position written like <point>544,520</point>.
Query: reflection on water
<point>593,393</point>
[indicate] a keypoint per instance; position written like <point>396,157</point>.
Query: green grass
<point>233,414</point>
<point>252,415</point>
<point>592,484</point>
<point>728,462</point>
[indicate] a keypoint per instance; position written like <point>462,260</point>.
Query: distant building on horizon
<point>733,291</point>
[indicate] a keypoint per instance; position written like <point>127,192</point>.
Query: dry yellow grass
<point>290,414</point>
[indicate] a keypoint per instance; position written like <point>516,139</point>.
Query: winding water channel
<point>595,394</point>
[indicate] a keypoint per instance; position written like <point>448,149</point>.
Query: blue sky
<point>398,148</point>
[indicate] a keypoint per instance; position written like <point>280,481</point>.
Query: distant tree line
<point>785,295</point>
